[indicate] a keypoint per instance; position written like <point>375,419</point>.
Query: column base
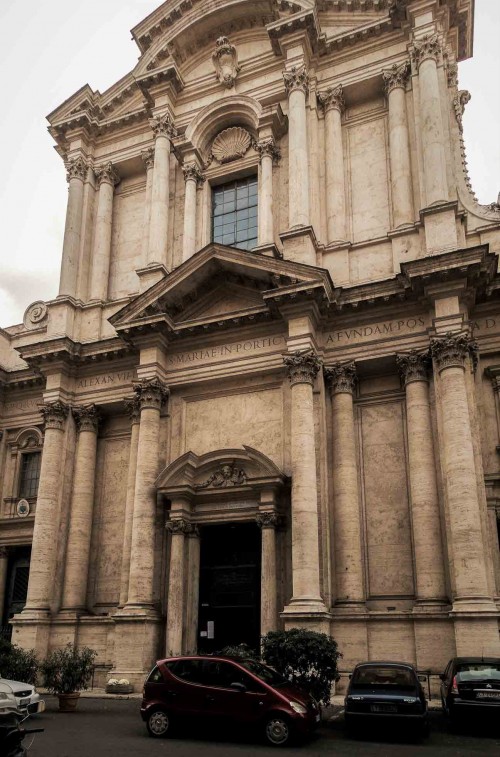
<point>476,605</point>
<point>137,646</point>
<point>31,630</point>
<point>150,275</point>
<point>349,607</point>
<point>426,606</point>
<point>299,245</point>
<point>268,249</point>
<point>439,221</point>
<point>310,614</point>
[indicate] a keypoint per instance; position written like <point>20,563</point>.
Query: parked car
<point>471,685</point>
<point>381,691</point>
<point>230,691</point>
<point>27,698</point>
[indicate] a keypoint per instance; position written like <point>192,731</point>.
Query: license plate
<point>24,701</point>
<point>383,708</point>
<point>488,695</point>
<point>317,718</point>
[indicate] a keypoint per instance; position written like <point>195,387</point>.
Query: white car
<point>26,696</point>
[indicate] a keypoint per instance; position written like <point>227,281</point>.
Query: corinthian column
<point>82,505</point>
<point>46,529</point>
<point>4,561</point>
<point>148,158</point>
<point>268,523</point>
<point>297,84</point>
<point>395,79</point>
<point>450,354</point>
<point>268,152</point>
<point>107,178</point>
<point>347,545</point>
<point>302,370</point>
<point>178,528</point>
<point>163,130</point>
<point>133,408</point>
<point>151,395</point>
<point>426,55</point>
<point>333,104</point>
<point>76,173</point>
<point>428,547</point>
<point>193,178</point>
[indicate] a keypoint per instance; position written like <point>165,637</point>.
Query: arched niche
<point>238,110</point>
<point>29,439</point>
<point>226,484</point>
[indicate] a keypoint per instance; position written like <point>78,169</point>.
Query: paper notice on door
<point>210,629</point>
<point>203,633</point>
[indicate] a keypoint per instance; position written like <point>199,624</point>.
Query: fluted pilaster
<point>332,101</point>
<point>297,85</point>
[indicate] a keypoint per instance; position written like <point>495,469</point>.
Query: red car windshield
<point>268,675</point>
<point>383,676</point>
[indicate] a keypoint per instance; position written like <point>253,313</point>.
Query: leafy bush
<point>17,664</point>
<point>307,658</point>
<point>240,650</point>
<point>68,670</point>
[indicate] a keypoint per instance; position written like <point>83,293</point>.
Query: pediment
<point>221,287</point>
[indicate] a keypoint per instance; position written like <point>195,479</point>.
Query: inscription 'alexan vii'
<point>120,377</point>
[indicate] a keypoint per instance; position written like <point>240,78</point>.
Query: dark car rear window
<point>470,671</point>
<point>383,676</point>
<point>155,676</point>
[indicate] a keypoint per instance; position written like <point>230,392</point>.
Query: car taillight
<point>454,687</point>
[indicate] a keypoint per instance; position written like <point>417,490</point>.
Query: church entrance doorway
<point>229,599</point>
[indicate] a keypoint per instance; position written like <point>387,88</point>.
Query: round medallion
<point>23,508</point>
<point>35,314</point>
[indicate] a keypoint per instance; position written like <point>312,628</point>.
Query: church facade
<point>267,394</point>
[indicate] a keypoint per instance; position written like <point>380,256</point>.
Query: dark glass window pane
<point>30,475</point>
<point>234,213</point>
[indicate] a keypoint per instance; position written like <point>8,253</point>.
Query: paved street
<point>105,727</point>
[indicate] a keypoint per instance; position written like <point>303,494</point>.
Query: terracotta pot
<point>68,702</point>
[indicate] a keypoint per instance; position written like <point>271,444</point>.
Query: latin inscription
<point>22,405</point>
<point>120,377</point>
<point>484,324</point>
<point>235,349</point>
<point>376,330</point>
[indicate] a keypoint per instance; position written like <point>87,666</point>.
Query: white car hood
<point>17,685</point>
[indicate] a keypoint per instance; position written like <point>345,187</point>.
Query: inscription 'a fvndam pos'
<point>374,331</point>
<point>221,351</point>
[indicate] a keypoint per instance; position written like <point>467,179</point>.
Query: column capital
<point>193,171</point>
<point>87,418</point>
<point>163,126</point>
<point>413,366</point>
<point>151,393</point>
<point>332,98</point>
<point>76,169</point>
<point>429,47</point>
<point>341,377</point>
<point>179,526</point>
<point>4,552</point>
<point>452,350</point>
<point>268,147</point>
<point>133,408</point>
<point>107,174</point>
<point>268,520</point>
<point>396,76</point>
<point>302,366</point>
<point>296,78</point>
<point>54,414</point>
<point>148,158</point>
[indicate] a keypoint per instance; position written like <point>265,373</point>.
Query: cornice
<point>66,351</point>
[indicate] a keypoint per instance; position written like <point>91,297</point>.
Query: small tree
<point>307,658</point>
<point>240,650</point>
<point>17,664</point>
<point>68,670</point>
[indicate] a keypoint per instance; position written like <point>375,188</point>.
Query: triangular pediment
<point>222,286</point>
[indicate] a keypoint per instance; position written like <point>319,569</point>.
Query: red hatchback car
<point>238,691</point>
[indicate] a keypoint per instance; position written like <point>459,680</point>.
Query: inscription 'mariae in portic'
<point>234,349</point>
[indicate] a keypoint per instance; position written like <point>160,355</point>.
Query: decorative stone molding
<point>302,366</point>
<point>224,476</point>
<point>332,98</point>
<point>107,174</point>
<point>133,408</point>
<point>428,47</point>
<point>268,520</point>
<point>452,350</point>
<point>296,78</point>
<point>268,147</point>
<point>86,418</point>
<point>194,533</point>
<point>193,171</point>
<point>459,103</point>
<point>163,126</point>
<point>225,60</point>
<point>179,526</point>
<point>54,414</point>
<point>76,169</point>
<point>341,377</point>
<point>231,144</point>
<point>23,508</point>
<point>413,366</point>
<point>452,75</point>
<point>151,393</point>
<point>148,158</point>
<point>4,552</point>
<point>396,76</point>
<point>35,315</point>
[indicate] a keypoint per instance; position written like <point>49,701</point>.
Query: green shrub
<point>17,664</point>
<point>240,650</point>
<point>68,670</point>
<point>307,658</point>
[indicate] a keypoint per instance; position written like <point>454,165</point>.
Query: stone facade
<point>336,388</point>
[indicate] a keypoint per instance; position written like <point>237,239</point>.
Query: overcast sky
<point>51,48</point>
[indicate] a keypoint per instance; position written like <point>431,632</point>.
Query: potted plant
<point>119,686</point>
<point>66,672</point>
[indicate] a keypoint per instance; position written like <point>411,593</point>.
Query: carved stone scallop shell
<point>231,144</point>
